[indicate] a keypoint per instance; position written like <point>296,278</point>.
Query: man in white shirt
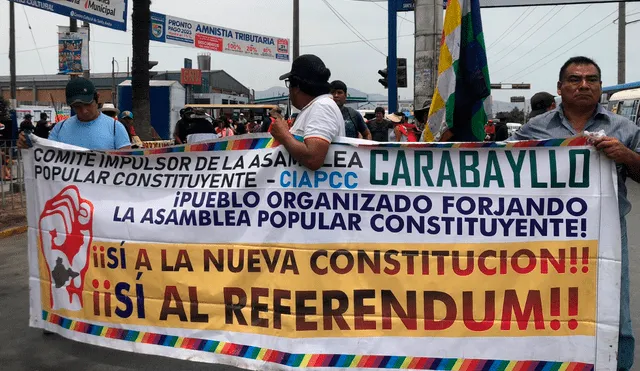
<point>319,121</point>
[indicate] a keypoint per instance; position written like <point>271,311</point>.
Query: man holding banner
<point>580,87</point>
<point>89,128</point>
<point>320,120</point>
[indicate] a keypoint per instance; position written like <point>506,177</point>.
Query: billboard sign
<point>190,76</point>
<point>106,13</point>
<point>178,31</point>
<point>73,50</point>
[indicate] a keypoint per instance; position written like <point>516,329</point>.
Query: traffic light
<point>384,80</point>
<point>402,72</point>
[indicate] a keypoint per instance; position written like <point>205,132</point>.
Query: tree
<point>516,115</point>
<point>5,114</point>
<point>141,23</point>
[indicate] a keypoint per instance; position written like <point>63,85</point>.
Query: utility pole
<point>140,74</point>
<point>296,28</point>
<point>113,80</point>
<point>87,73</point>
<point>73,27</point>
<point>622,42</point>
<point>12,52</point>
<point>428,30</point>
<point>392,58</point>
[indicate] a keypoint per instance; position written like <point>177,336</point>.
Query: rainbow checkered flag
<point>463,77</point>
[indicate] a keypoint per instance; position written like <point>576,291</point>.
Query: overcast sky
<point>530,50</point>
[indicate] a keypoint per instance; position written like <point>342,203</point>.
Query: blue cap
<point>126,114</point>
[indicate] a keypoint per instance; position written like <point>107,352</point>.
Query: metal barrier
<point>12,191</point>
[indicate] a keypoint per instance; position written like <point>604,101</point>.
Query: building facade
<point>218,87</point>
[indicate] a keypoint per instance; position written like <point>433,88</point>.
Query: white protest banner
<point>106,13</point>
<point>178,31</point>
<point>423,256</point>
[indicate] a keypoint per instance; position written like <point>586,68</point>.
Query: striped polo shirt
<point>554,124</point>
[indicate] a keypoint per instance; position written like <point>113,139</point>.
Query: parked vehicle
<point>513,127</point>
<point>626,103</point>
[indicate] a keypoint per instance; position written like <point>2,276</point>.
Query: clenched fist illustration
<point>66,232</point>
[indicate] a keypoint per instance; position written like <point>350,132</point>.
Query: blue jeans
<point>626,341</point>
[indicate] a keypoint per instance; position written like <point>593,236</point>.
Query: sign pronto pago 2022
<point>178,31</point>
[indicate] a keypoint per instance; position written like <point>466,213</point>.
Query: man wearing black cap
<point>26,124</point>
<point>88,128</point>
<point>42,126</point>
<point>319,121</point>
<point>540,103</point>
<point>353,121</point>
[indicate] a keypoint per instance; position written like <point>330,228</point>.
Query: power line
<point>385,9</point>
<point>575,46</point>
<point>545,40</point>
<point>562,46</point>
<point>352,42</point>
<point>34,40</point>
<point>509,48</point>
<point>351,28</point>
<point>33,49</point>
<point>527,11</point>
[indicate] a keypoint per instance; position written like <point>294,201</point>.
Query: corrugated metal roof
<point>219,79</point>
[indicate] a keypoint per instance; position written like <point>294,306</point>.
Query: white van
<point>513,127</point>
<point>626,103</point>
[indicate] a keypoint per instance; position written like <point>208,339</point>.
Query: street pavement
<point>27,349</point>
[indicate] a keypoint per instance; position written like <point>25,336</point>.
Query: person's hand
<point>22,141</point>
<point>614,149</point>
<point>280,128</point>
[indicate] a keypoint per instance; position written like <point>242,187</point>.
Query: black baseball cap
<point>310,68</point>
<point>540,102</point>
<point>80,90</point>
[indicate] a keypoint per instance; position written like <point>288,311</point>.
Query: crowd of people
<point>394,127</point>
